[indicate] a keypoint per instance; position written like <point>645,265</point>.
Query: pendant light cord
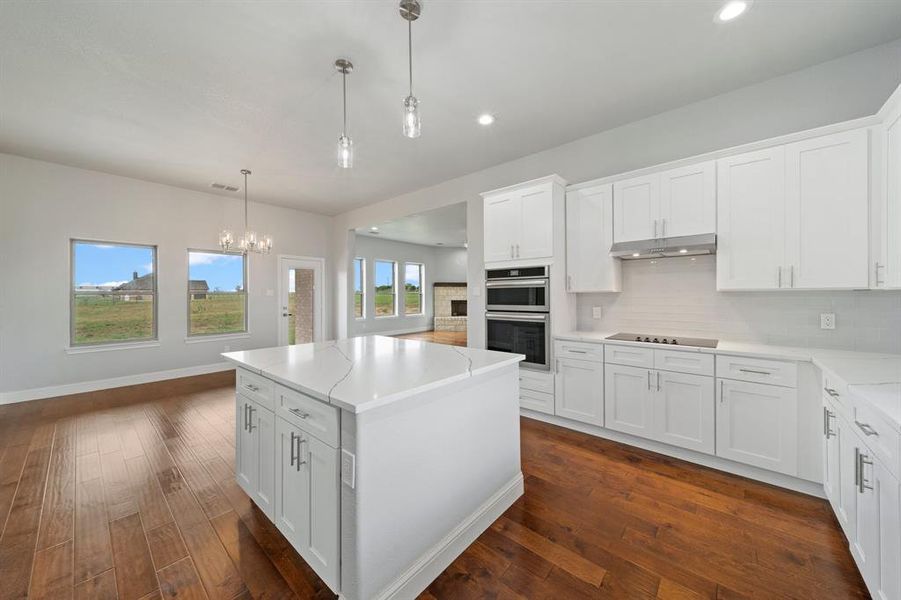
<point>245,202</point>
<point>410,51</point>
<point>344,92</point>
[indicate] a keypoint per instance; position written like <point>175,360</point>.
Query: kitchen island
<point>380,459</point>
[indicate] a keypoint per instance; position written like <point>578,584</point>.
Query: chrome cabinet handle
<point>658,381</point>
<point>293,448</point>
<point>827,417</point>
<point>300,441</point>
<point>722,391</point>
<point>866,428</point>
<point>879,266</point>
<point>831,392</point>
<point>252,387</point>
<point>857,467</point>
<point>299,413</point>
<point>246,406</point>
<point>780,276</point>
<point>649,380</point>
<point>755,371</point>
<point>862,461</point>
<point>577,351</point>
<point>791,272</point>
<point>250,425</point>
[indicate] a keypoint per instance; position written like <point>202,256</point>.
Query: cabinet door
<point>292,486</point>
<point>888,582</point>
<point>846,508</point>
<point>579,390</point>
<point>535,238</point>
<point>831,459</point>
<point>827,220</point>
<point>245,449</point>
<point>887,272</point>
<point>627,399</point>
<point>684,410</point>
<point>322,551</point>
<point>636,208</point>
<point>750,208</point>
<point>264,440</point>
<point>757,424</point>
<point>589,234</point>
<point>688,200</point>
<point>865,543</point>
<point>502,220</point>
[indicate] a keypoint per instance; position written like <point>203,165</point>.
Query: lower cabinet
<point>838,468</point>
<point>307,498</point>
<point>757,424</point>
<point>627,399</point>
<point>683,411</point>
<point>579,390</point>
<point>254,452</point>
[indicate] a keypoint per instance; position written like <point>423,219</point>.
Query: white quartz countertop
<point>362,373</point>
<point>873,377</point>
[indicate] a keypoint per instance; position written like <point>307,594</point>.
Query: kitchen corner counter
<point>362,373</point>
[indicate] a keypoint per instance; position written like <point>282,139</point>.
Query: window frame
<point>154,338</point>
<point>363,294</point>
<point>394,264</point>
<point>245,262</point>
<point>421,289</point>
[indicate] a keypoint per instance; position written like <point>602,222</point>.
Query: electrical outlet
<point>597,312</point>
<point>827,320</point>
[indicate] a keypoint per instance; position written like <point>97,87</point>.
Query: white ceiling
<point>189,92</point>
<point>445,226</point>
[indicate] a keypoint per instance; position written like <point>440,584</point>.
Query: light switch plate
<point>348,468</point>
<point>827,320</point>
<point>597,312</point>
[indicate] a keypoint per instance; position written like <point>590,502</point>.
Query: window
<point>113,293</point>
<point>385,288</point>
<point>217,292</point>
<point>359,287</point>
<point>412,289</point>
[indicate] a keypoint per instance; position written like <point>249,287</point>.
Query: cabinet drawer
<point>536,381</point>
<point>311,415</point>
<point>579,350</point>
<point>684,362</point>
<point>632,356</point>
<point>878,435</point>
<point>538,401</point>
<point>836,390</point>
<point>256,387</point>
<point>755,370</point>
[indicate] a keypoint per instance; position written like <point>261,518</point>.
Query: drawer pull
<point>252,387</point>
<point>867,429</point>
<point>827,417</point>
<point>250,425</point>
<point>755,371</point>
<point>862,461</point>
<point>831,392</point>
<point>299,413</point>
<point>293,448</point>
<point>576,351</point>
<point>300,441</point>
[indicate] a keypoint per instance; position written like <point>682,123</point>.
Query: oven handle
<point>518,283</point>
<point>513,317</point>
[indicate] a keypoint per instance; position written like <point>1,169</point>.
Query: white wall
<point>678,296</point>
<point>43,205</point>
<point>440,264</point>
<point>846,88</point>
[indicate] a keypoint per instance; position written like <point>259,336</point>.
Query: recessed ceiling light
<point>683,251</point>
<point>486,119</point>
<point>635,254</point>
<point>373,229</point>
<point>732,10</point>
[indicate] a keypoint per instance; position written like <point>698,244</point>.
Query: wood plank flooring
<point>451,338</point>
<point>129,493</point>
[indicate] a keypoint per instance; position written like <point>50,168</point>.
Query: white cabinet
<point>683,410</point>
<point>636,208</point>
<point>757,424</point>
<point>254,458</point>
<point>519,221</point>
<point>668,204</point>
<point>827,216</point>
<point>751,220</point>
<point>688,200</point>
<point>887,265</point>
<point>628,400</point>
<point>308,498</point>
<point>795,216</point>
<point>579,390</point>
<point>589,235</point>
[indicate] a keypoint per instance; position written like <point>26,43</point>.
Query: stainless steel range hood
<point>687,245</point>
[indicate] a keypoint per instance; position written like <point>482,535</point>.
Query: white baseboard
<point>424,571</point>
<point>810,488</point>
<point>113,382</point>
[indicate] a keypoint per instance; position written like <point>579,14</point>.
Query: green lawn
<point>217,313</point>
<point>99,319</point>
<point>384,304</point>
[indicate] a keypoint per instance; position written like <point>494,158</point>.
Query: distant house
<point>198,289</point>
<point>142,286</point>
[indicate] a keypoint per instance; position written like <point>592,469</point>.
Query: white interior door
<point>300,300</point>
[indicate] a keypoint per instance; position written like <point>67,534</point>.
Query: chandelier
<point>249,240</point>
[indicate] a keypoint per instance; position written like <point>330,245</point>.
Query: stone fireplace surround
<point>443,294</point>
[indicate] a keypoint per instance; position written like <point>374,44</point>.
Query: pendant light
<point>345,152</point>
<point>410,11</point>
<point>249,241</point>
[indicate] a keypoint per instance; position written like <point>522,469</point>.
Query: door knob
<point>287,314</point>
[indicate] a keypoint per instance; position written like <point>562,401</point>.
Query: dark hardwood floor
<point>129,493</point>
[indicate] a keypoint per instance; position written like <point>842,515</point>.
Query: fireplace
<point>458,308</point>
<point>450,306</point>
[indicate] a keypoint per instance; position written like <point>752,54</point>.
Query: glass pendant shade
<point>345,152</point>
<point>248,242</point>
<point>412,120</point>
<point>226,239</point>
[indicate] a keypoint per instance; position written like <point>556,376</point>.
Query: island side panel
<point>425,468</point>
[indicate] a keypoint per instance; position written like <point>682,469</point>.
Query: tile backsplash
<point>677,296</point>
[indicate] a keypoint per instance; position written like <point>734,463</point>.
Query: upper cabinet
<point>673,203</point>
<point>795,216</point>
<point>589,234</point>
<point>886,268</point>
<point>519,221</point>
